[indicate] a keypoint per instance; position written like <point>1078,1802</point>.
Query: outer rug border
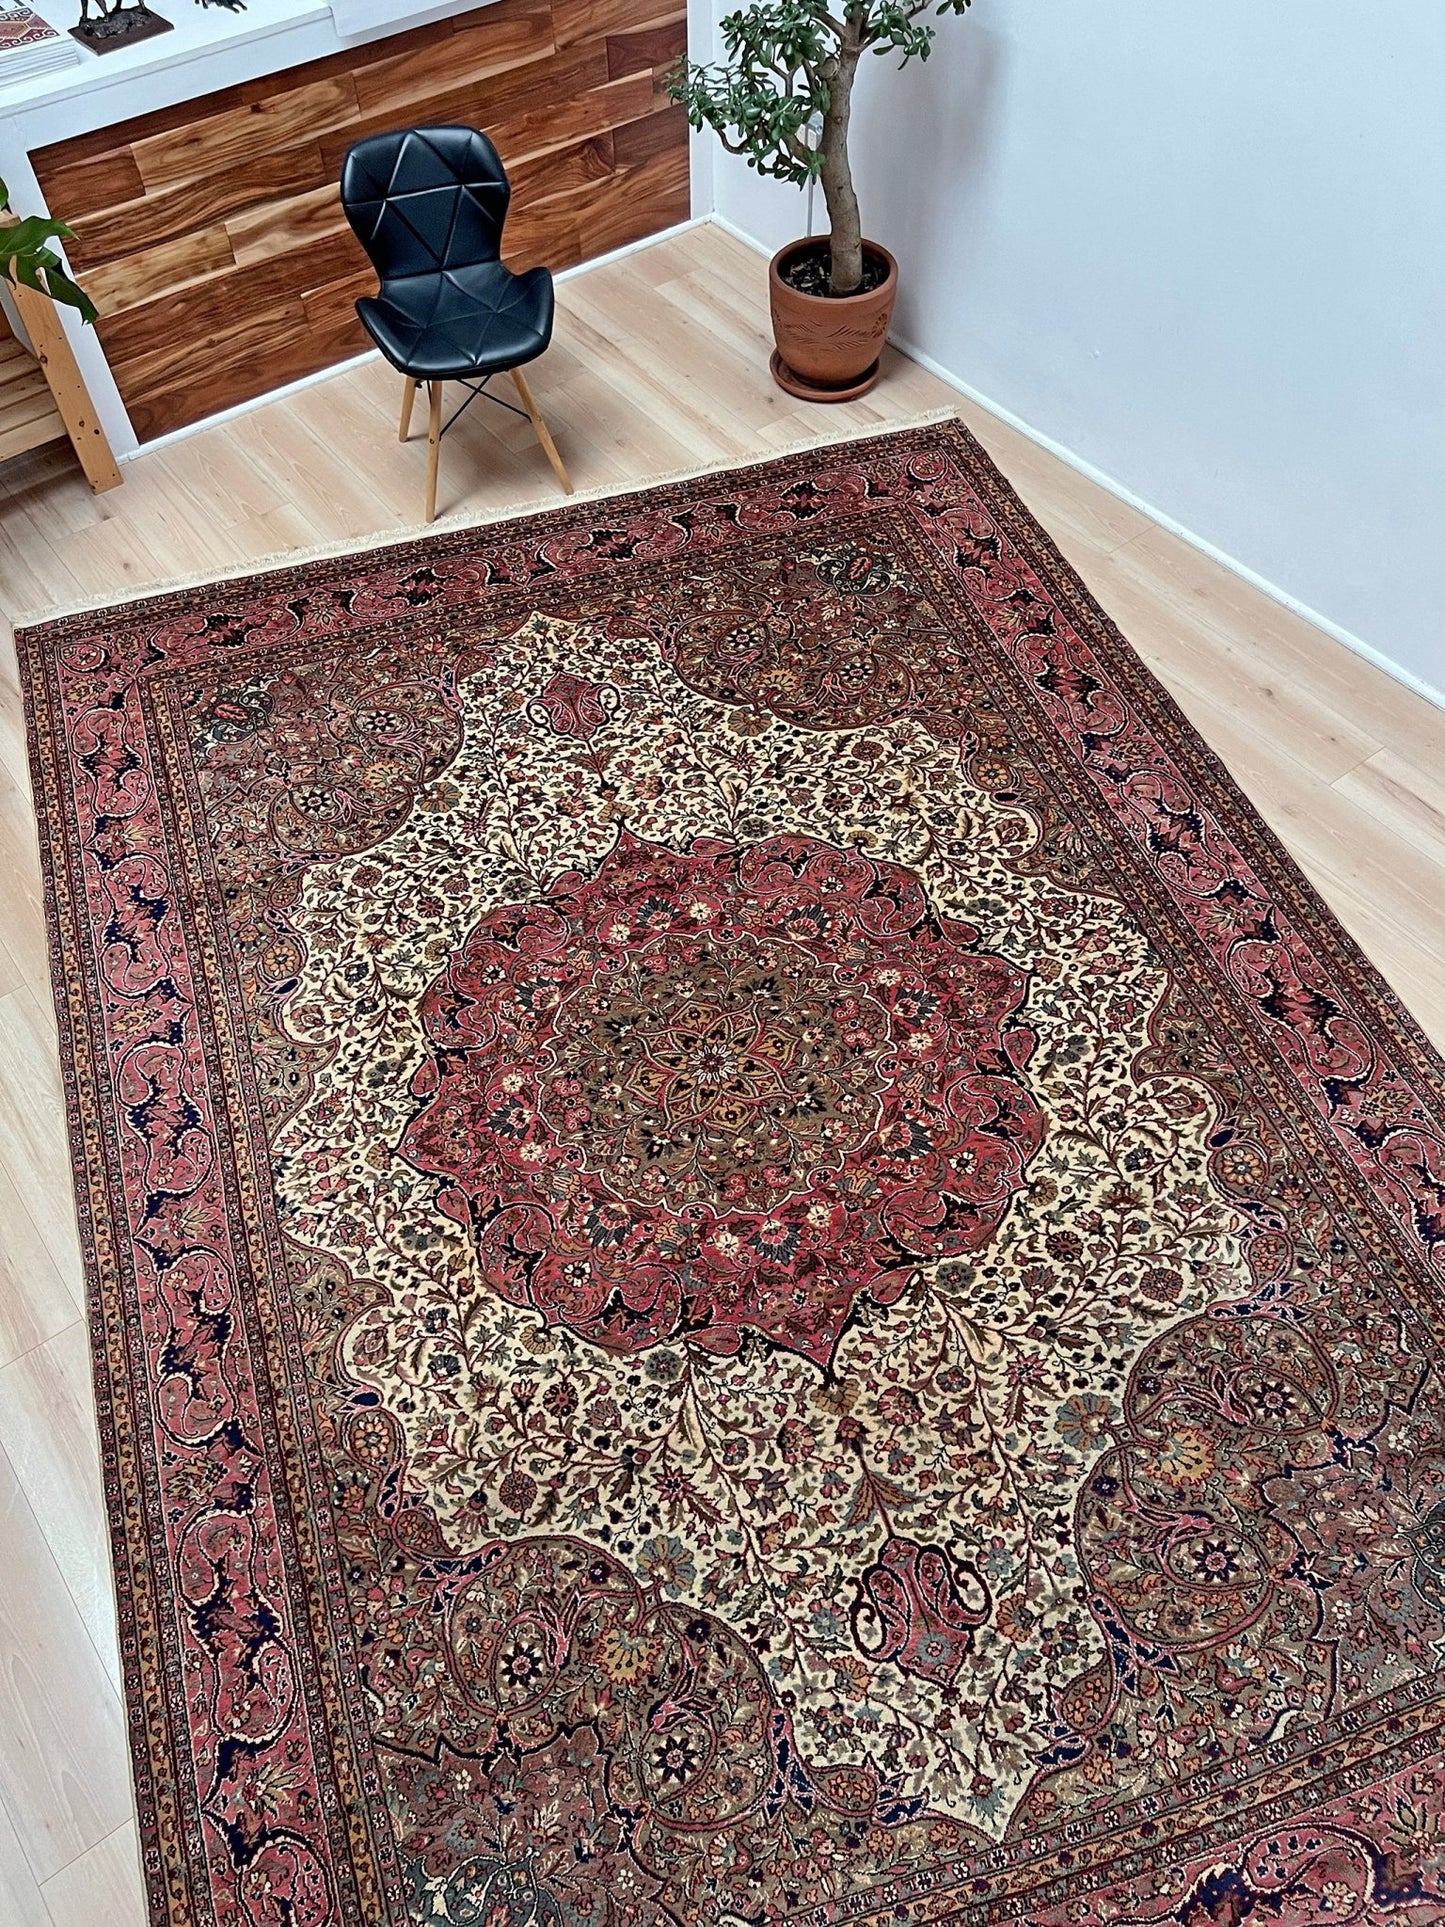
<point>278,561</point>
<point>1243,820</point>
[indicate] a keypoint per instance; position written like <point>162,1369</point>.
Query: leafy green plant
<point>25,259</point>
<point>787,63</point>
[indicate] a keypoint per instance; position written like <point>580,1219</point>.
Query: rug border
<point>1221,782</point>
<point>462,521</point>
<point>37,639</point>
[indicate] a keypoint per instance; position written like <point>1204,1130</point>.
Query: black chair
<point>427,204</point>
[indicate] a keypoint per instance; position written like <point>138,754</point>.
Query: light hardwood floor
<point>658,365</point>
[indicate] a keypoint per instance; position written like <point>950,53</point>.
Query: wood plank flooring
<point>658,365</point>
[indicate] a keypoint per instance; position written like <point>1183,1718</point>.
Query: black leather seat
<point>480,319</point>
<point>428,205</point>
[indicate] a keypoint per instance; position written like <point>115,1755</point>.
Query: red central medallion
<point>736,1087</point>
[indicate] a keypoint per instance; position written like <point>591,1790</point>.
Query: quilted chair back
<point>425,199</point>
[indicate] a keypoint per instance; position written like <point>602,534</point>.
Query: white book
<point>30,45</point>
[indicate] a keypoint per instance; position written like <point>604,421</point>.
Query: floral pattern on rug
<point>697,1096</point>
<point>877,1502</point>
<point>755,1257</point>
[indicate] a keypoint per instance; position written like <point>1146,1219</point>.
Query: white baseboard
<point>741,234</point>
<point>1356,644</point>
<point>373,354</point>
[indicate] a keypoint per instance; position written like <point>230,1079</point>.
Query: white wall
<point>1202,247</point>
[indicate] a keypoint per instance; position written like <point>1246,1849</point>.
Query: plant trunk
<point>844,222</point>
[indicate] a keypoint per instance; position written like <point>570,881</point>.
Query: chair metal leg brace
<point>475,388</point>
<point>437,428</point>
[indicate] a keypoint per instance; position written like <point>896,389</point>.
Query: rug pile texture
<point>754,1257</point>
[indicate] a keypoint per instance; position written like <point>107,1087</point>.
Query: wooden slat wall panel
<point>160,270</point>
<point>630,53</point>
<point>574,21</point>
<point>210,145</point>
<point>551,79</point>
<point>211,233</point>
<point>84,184</point>
<point>187,324</point>
<point>479,44</point>
<point>152,219</point>
<point>608,107</point>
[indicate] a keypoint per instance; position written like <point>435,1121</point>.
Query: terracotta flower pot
<point>829,345</point>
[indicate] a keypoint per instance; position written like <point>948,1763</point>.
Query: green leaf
<point>25,258</point>
<point>34,231</point>
<point>773,77</point>
<point>69,294</point>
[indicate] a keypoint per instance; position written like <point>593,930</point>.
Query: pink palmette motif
<point>572,706</point>
<point>911,1608</point>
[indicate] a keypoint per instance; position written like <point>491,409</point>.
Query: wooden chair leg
<point>434,443</point>
<point>549,447</point>
<point>408,396</point>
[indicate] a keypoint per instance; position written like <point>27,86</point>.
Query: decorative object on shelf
<point>30,45</point>
<point>107,25</point>
<point>428,204</point>
<point>43,396</point>
<point>789,66</point>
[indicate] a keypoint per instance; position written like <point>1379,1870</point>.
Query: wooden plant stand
<point>43,396</point>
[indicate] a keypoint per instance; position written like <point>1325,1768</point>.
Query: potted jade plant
<point>787,75</point>
<point>27,261</point>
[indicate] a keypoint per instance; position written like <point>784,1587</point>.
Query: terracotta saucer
<point>794,384</point>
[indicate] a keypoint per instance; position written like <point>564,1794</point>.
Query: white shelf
<point>208,48</point>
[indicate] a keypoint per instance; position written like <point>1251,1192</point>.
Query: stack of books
<point>30,45</point>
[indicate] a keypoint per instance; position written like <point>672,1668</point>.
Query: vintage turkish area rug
<point>754,1256</point>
